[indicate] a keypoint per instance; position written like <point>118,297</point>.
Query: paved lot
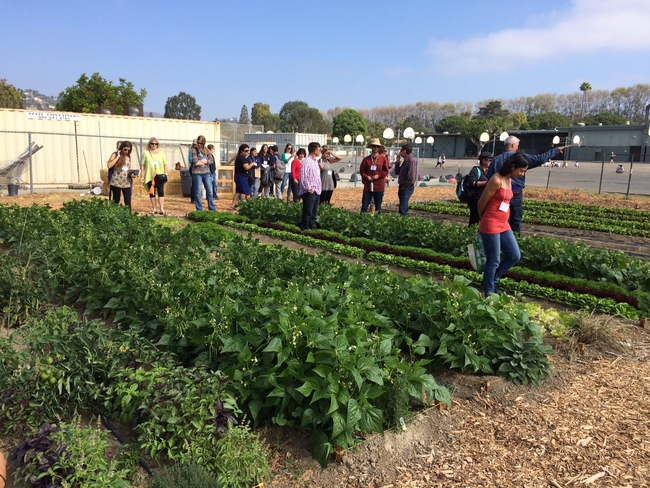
<point>585,177</point>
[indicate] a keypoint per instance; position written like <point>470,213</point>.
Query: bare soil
<point>588,425</point>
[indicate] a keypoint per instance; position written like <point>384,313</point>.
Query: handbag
<point>476,253</point>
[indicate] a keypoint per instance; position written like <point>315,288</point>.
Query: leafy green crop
<point>304,340</point>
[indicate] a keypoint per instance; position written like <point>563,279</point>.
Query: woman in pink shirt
<point>494,210</point>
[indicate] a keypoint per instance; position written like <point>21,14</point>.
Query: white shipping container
<point>76,146</point>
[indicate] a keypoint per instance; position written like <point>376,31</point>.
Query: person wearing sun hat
<point>373,171</point>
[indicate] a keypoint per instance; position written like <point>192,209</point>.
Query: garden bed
<point>561,433</point>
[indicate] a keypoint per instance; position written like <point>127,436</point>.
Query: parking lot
<point>585,177</point>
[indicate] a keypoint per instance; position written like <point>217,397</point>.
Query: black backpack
<point>267,176</point>
<point>463,191</point>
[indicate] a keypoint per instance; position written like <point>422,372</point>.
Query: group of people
<point>152,174</point>
<point>496,203</point>
<point>374,172</point>
<point>262,173</point>
<point>267,173</point>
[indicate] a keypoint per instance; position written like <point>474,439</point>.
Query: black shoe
<point>498,290</point>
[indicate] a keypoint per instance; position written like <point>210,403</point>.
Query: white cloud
<point>587,27</point>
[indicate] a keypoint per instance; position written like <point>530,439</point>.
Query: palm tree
<point>586,86</point>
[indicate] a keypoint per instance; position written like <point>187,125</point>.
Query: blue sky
<point>360,54</point>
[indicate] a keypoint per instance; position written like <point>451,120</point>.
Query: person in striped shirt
<point>310,186</point>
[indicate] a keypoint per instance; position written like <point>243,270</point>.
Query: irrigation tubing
<point>108,425</point>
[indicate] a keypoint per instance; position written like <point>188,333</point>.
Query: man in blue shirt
<point>516,202</point>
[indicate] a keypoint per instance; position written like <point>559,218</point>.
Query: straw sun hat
<point>374,142</point>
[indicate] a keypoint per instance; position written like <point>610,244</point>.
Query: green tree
<point>259,112</point>
<point>517,120</point>
<point>548,121</point>
<point>411,121</point>
<point>375,129</point>
<point>493,109</point>
<point>473,129</point>
<point>299,117</point>
<point>261,115</point>
<point>349,122</point>
<point>243,116</point>
<point>10,96</point>
<point>584,88</point>
<point>605,118</point>
<point>182,106</point>
<point>452,123</point>
<point>89,93</point>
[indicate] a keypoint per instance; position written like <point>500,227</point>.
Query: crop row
<point>569,219</point>
<point>306,340</point>
<point>51,367</point>
<point>574,260</point>
<point>600,296</point>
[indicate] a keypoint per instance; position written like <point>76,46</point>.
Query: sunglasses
<point>154,143</point>
<point>126,149</point>
<point>245,150</point>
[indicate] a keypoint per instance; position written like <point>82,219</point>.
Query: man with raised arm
<point>511,144</point>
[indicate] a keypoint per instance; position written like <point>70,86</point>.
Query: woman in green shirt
<point>153,173</point>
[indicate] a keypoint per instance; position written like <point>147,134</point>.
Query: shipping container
<point>73,147</point>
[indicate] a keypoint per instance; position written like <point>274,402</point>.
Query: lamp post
<point>347,138</point>
<point>418,141</point>
<point>484,138</point>
<point>430,140</point>
<point>360,139</point>
<point>388,134</point>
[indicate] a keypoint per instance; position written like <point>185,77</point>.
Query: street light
<point>502,137</point>
<point>388,134</point>
<point>429,141</point>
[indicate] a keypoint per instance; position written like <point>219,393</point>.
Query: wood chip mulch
<point>593,431</point>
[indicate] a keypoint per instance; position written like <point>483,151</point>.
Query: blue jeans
<point>204,179</point>
<point>287,185</point>
<point>215,186</point>
<point>193,188</point>
<point>215,190</point>
<point>404,195</point>
<point>309,210</point>
<point>495,267</point>
<point>377,196</point>
<point>256,183</point>
<point>516,211</point>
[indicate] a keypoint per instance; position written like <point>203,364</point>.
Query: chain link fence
<point>50,160</point>
<point>46,159</point>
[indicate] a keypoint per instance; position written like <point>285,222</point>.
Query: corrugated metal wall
<point>75,151</point>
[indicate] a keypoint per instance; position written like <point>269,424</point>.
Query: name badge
<point>373,167</point>
<point>504,206</point>
<point>155,163</point>
<point>125,168</point>
<point>329,173</point>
